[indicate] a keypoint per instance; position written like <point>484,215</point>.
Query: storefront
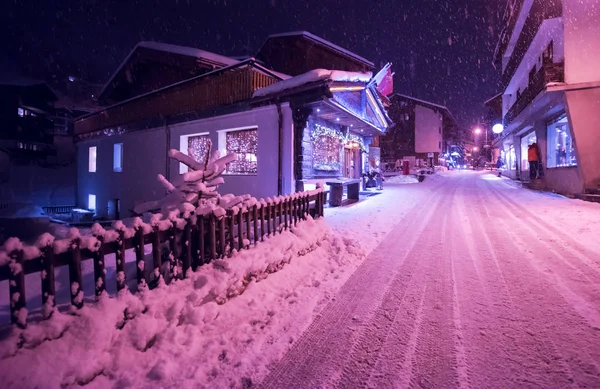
<point>334,152</point>
<point>526,141</point>
<point>561,146</point>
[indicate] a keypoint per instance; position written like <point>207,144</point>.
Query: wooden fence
<point>192,242</point>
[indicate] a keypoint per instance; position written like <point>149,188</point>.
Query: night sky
<point>441,50</point>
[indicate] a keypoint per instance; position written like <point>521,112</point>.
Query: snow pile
<point>140,341</point>
<point>401,179</point>
<point>22,211</point>
<point>313,76</point>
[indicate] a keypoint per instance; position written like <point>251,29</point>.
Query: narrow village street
<point>483,284</point>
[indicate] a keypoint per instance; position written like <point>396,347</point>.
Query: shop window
<point>326,149</point>
<point>92,159</point>
<point>561,145</point>
<point>21,112</point>
<point>118,157</point>
<point>512,158</point>
<point>244,143</point>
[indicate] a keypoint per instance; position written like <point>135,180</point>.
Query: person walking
<point>499,165</point>
<point>533,158</point>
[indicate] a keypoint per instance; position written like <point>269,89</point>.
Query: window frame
<point>551,153</point>
<point>95,201</point>
<point>92,161</point>
<point>222,143</point>
<point>118,163</point>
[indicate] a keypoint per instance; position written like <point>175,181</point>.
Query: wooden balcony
<point>540,11</point>
<point>550,72</point>
<point>220,88</point>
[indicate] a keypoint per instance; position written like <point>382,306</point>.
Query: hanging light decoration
<point>244,144</point>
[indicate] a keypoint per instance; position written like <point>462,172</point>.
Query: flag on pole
<point>385,80</point>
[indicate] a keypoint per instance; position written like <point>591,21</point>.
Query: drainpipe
<point>168,144</point>
<point>280,153</point>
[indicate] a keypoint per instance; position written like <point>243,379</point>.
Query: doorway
<point>352,160</point>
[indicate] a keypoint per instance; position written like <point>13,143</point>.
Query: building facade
<point>422,130</point>
<point>287,130</point>
<point>548,54</point>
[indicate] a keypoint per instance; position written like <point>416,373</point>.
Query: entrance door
<point>526,140</point>
<point>352,162</point>
<point>349,163</point>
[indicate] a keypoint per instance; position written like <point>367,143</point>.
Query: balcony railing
<point>550,72</point>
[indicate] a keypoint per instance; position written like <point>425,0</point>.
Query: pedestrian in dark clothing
<point>499,165</point>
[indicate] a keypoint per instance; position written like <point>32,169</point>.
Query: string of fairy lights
<point>245,144</point>
<point>327,143</point>
<point>327,148</point>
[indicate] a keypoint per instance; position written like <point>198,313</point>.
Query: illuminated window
<point>21,112</point>
<point>327,146</point>
<point>194,145</point>
<point>198,146</point>
<point>92,159</point>
<point>92,202</point>
<point>244,143</point>
<point>561,145</point>
<point>118,157</point>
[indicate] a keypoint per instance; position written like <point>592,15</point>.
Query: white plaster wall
<point>427,130</point>
<point>582,42</point>
<point>144,157</point>
<point>550,31</point>
<point>584,118</point>
<point>264,183</point>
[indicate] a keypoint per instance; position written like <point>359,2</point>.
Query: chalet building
<point>288,119</point>
<point>37,163</point>
<point>26,126</point>
<point>424,132</point>
<point>548,54</point>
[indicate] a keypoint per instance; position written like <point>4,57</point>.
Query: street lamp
<point>475,148</point>
<point>477,131</point>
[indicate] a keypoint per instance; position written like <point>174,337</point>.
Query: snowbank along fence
<point>193,240</point>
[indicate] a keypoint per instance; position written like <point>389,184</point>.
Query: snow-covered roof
<point>250,61</point>
<point>421,101</point>
<point>490,99</point>
<point>313,76</point>
<point>189,51</point>
<point>176,49</point>
<point>323,42</point>
<point>442,107</point>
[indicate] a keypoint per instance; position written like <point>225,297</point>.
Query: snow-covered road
<point>485,285</point>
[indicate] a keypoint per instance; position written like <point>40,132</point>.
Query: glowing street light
<point>498,128</point>
<point>475,148</point>
<point>477,131</point>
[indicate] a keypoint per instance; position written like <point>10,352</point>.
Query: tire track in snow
<point>376,359</point>
<point>517,334</point>
<point>554,269</point>
<point>545,304</point>
<point>588,256</point>
<point>316,358</point>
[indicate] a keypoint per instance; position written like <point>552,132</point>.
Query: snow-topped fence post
<point>120,255</point>
<point>46,242</point>
<point>16,282</point>
<point>197,223</point>
<point>139,255</point>
<point>99,266</point>
<point>75,278</point>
